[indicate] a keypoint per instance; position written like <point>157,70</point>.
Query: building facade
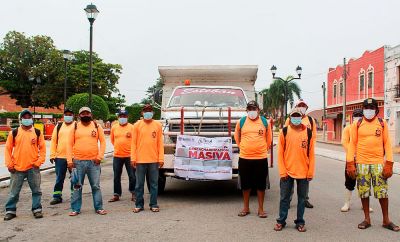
<point>392,97</point>
<point>365,79</point>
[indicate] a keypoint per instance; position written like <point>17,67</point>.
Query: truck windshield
<point>208,97</point>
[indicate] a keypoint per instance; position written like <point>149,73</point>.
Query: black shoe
<point>38,215</point>
<point>55,201</point>
<point>9,216</point>
<point>308,204</point>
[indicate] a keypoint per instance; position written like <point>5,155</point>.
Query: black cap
<point>252,104</point>
<point>25,111</point>
<point>357,113</point>
<point>68,110</point>
<point>370,102</point>
<point>147,107</point>
<point>122,112</point>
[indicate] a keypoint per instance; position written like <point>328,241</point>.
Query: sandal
<point>101,212</point>
<point>364,225</point>
<point>137,210</point>
<point>73,213</point>
<point>243,213</point>
<point>155,209</point>
<point>262,215</point>
<point>114,199</point>
<point>279,227</point>
<point>392,226</point>
<point>301,228</point>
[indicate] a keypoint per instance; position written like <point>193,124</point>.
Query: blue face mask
<point>123,121</point>
<point>295,120</point>
<point>68,119</point>
<point>26,122</point>
<point>148,115</point>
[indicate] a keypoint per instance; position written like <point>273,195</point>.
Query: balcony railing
<point>397,91</point>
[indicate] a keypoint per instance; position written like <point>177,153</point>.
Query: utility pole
<point>324,118</point>
<point>344,92</point>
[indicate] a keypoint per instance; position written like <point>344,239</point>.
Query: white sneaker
<point>346,207</point>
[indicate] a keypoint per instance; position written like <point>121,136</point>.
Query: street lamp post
<point>286,82</point>
<point>91,13</point>
<point>67,55</point>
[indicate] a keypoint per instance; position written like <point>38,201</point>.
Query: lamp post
<point>67,55</point>
<point>286,82</point>
<point>91,13</point>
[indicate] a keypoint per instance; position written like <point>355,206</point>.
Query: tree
<point>99,106</point>
<point>154,97</point>
<point>32,72</point>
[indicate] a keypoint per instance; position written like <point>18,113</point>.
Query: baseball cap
<point>370,102</point>
<point>25,111</point>
<point>68,110</point>
<point>122,112</point>
<point>84,109</point>
<point>147,107</point>
<point>252,104</point>
<point>295,110</point>
<point>301,100</point>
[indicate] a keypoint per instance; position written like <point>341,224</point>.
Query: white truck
<point>203,101</point>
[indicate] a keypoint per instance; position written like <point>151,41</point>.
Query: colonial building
<point>392,97</point>
<point>365,78</point>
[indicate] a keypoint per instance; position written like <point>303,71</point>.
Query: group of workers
<point>79,146</point>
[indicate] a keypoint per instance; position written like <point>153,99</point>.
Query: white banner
<point>203,158</point>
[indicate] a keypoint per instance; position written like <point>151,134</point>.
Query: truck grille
<point>204,128</point>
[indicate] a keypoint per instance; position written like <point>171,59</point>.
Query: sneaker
<point>38,215</point>
<point>56,201</point>
<point>9,216</point>
<point>309,205</point>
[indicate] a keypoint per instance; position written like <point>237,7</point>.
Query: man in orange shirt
<point>58,152</point>
<point>25,152</point>
<point>296,161</point>
<point>121,138</point>
<point>253,136</point>
<point>370,142</point>
<point>84,154</point>
<point>147,156</point>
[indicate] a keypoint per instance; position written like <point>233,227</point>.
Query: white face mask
<point>303,110</point>
<point>252,114</point>
<point>369,113</point>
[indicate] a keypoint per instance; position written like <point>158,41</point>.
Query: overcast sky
<point>141,35</point>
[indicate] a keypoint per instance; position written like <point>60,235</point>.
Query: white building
<point>392,92</point>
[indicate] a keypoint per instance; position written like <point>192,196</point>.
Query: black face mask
<point>86,119</point>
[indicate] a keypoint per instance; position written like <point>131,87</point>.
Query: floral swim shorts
<point>368,175</point>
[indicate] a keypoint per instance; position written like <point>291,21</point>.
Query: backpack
<point>309,136</point>
<point>243,120</point>
<point>311,120</point>
<point>15,133</point>
<point>59,127</point>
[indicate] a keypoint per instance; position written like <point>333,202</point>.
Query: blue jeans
<point>16,182</point>
<point>286,190</point>
<point>61,170</point>
<point>118,164</point>
<point>151,169</point>
<point>89,168</point>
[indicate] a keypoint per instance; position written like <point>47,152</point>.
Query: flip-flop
<point>279,227</point>
<point>262,215</point>
<point>392,226</point>
<point>137,210</point>
<point>364,225</point>
<point>73,213</point>
<point>301,228</point>
<point>243,213</point>
<point>155,209</point>
<point>101,212</point>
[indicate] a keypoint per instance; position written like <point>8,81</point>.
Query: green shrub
<point>99,106</point>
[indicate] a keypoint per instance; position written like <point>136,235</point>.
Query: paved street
<point>201,211</point>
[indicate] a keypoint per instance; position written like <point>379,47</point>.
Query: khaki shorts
<point>371,175</point>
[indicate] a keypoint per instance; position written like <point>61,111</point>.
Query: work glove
<point>52,160</point>
<point>387,169</point>
<point>351,169</point>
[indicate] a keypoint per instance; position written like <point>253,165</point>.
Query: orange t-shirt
<point>292,156</point>
<point>121,138</point>
<point>25,151</point>
<point>83,142</point>
<point>305,120</point>
<point>370,143</point>
<point>58,149</point>
<point>254,140</point>
<point>346,138</point>
<point>147,142</point>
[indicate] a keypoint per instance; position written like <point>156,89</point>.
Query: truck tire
<point>162,180</point>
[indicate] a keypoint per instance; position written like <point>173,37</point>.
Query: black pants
<point>253,173</point>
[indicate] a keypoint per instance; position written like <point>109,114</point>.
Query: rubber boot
<point>347,198</point>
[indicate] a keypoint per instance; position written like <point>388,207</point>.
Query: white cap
<point>83,109</point>
<point>301,100</point>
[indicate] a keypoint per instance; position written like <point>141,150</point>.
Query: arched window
<point>361,85</point>
<point>370,79</point>
<point>335,91</point>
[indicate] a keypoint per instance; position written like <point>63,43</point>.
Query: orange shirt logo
<point>378,133</point>
<point>94,133</point>
<point>154,134</point>
<point>260,132</point>
<point>128,134</point>
<point>33,141</point>
<point>304,144</point>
